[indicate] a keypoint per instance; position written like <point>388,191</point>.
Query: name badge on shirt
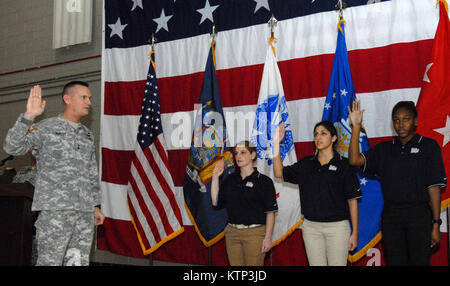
<point>249,184</point>
<point>332,168</point>
<point>414,150</point>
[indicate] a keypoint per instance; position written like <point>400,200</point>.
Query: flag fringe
<point>445,204</point>
<point>288,233</point>
<point>203,240</point>
<point>213,48</point>
<point>339,25</point>
<point>271,41</point>
<point>351,258</point>
<point>444,2</point>
<point>148,251</point>
<point>360,254</point>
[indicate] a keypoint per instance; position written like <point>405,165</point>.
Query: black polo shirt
<point>324,190</point>
<point>406,171</point>
<point>247,200</point>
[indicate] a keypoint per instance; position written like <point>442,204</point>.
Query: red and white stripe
<point>389,45</point>
<point>150,194</point>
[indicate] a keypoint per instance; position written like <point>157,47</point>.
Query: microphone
<point>2,162</point>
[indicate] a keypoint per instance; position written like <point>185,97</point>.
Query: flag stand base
<point>150,259</point>
<point>209,256</point>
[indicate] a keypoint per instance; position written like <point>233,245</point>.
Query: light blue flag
<point>339,97</point>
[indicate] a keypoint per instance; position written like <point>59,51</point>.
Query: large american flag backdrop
<point>389,45</point>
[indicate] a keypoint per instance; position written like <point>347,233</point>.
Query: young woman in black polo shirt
<point>251,203</point>
<point>329,188</point>
<point>412,171</point>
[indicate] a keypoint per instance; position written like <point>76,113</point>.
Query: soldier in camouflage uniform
<point>67,192</point>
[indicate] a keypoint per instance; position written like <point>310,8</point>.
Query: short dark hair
<point>328,125</point>
<point>72,84</point>
<point>249,146</point>
<point>409,106</point>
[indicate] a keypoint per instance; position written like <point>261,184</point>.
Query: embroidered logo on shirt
<point>332,168</point>
<point>414,150</point>
<point>249,184</point>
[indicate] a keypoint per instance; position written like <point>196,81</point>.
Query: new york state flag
<point>270,113</point>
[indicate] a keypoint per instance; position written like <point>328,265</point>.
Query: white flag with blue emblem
<point>271,111</point>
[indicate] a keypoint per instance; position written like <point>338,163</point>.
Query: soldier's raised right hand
<point>35,104</point>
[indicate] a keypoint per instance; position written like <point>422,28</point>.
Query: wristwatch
<point>438,221</point>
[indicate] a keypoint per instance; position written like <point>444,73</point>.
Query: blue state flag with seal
<point>339,97</point>
<point>209,145</point>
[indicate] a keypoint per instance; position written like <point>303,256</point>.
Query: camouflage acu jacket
<point>26,174</point>
<point>67,175</point>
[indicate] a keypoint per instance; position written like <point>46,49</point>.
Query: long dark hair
<point>328,125</point>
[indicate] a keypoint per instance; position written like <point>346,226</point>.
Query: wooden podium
<point>16,223</point>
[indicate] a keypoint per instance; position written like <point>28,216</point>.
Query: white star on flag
<point>162,21</point>
<point>425,76</point>
<point>137,3</point>
<point>363,181</point>
<point>261,4</point>
<point>445,131</point>
<point>327,106</point>
<point>207,12</point>
<point>117,29</point>
<point>344,92</point>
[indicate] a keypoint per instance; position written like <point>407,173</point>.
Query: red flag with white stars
<point>433,104</point>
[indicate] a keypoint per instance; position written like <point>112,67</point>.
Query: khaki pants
<point>244,245</point>
<point>326,243</point>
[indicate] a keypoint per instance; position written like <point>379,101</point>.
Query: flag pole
<point>272,24</point>
<point>152,41</point>
<point>213,36</point>
<point>213,33</point>
<point>341,5</point>
<point>209,255</point>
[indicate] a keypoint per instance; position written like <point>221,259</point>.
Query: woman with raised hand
<point>250,200</point>
<point>412,172</point>
<point>329,190</point>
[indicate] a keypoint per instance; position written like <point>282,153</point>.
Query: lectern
<point>16,223</point>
